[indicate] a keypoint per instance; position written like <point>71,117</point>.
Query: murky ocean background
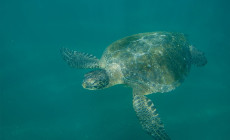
<point>41,98</point>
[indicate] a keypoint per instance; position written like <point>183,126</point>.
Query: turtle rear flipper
<point>79,60</point>
<point>198,57</point>
<point>148,117</point>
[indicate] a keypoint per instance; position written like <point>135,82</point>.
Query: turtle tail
<point>79,60</point>
<point>198,57</point>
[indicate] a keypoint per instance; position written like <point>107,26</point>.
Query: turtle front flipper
<point>148,117</point>
<point>79,60</point>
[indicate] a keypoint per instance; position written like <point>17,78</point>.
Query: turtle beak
<point>83,84</point>
<point>89,84</point>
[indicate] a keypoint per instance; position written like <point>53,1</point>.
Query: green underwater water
<point>41,98</point>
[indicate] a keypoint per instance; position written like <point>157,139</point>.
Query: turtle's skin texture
<point>150,62</point>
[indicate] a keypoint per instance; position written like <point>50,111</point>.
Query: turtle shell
<point>150,62</point>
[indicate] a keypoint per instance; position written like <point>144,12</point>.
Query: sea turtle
<point>148,63</point>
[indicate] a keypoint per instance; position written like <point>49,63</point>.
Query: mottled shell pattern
<point>148,62</point>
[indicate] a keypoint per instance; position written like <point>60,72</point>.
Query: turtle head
<point>97,79</point>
